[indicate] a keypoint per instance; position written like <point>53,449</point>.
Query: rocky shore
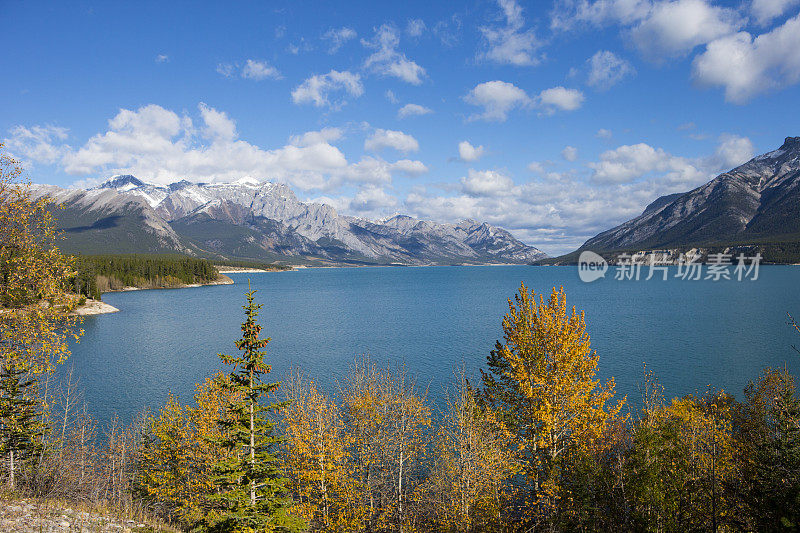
<point>23,516</point>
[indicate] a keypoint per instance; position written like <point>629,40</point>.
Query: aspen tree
<point>541,381</point>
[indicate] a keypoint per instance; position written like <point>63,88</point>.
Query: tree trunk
<point>11,469</point>
<point>252,448</point>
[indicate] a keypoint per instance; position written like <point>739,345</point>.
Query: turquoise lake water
<point>692,334</point>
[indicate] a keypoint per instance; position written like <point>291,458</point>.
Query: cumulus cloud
<point>675,28</point>
<point>469,153</point>
<point>560,98</point>
<point>510,44</point>
<point>765,11</point>
<point>732,151</point>
<point>570,153</point>
<point>161,146</point>
<point>388,61</point>
<point>37,144</point>
<point>317,89</point>
<point>310,138</point>
<point>486,183</point>
<point>338,37</point>
<point>380,139</point>
<point>629,163</point>
<point>409,167</point>
<point>607,69</point>
<point>252,69</point>
<point>745,66</point>
<point>659,29</point>
<point>497,98</point>
<point>259,70</point>
<point>413,110</point>
<point>568,14</point>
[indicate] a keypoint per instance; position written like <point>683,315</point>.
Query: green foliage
<point>20,426</point>
<point>251,487</point>
<point>769,455</point>
<point>97,273</point>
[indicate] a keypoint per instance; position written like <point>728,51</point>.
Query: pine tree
<point>251,487</point>
<point>20,427</point>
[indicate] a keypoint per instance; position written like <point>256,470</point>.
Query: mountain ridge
<point>249,219</point>
<point>755,204</point>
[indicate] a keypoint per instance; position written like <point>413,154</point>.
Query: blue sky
<point>555,120</point>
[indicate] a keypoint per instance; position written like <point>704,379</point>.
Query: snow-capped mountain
<point>266,221</point>
<point>757,202</point>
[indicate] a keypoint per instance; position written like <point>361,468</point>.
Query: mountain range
<point>263,221</point>
<point>755,206</point>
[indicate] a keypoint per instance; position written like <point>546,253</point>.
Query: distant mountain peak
<point>122,181</point>
<point>758,201</point>
<point>791,143</point>
<point>253,219</point>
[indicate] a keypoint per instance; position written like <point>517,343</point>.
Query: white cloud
<point>415,27</point>
<point>569,13</point>
<point>486,183</point>
<point>497,98</point>
<point>509,44</point>
<point>323,136</point>
<point>732,151</point>
<point>675,28</point>
<point>607,69</point>
<point>338,37</point>
<point>570,153</point>
<point>391,96</point>
<point>409,167</point>
<point>252,70</point>
<point>162,58</point>
<point>218,125</point>
<point>659,29</point>
<point>259,70</point>
<point>747,66</point>
<point>226,69</point>
<point>603,133</point>
<point>317,88</point>
<point>411,110</point>
<point>388,61</point>
<point>535,166</point>
<point>161,146</point>
<point>766,10</point>
<point>380,139</point>
<point>372,200</point>
<point>40,144</point>
<point>629,163</point>
<point>560,98</point>
<point>469,153</point>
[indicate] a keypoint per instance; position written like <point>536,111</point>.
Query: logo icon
<point>591,266</point>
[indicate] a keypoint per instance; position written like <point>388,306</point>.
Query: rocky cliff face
<point>755,202</point>
<point>249,219</point>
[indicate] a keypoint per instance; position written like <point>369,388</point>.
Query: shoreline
<point>234,270</point>
<point>94,307</point>
<point>98,307</point>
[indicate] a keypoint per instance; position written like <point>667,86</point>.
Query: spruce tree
<point>20,427</point>
<point>251,487</point>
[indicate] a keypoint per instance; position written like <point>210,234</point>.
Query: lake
<point>692,334</point>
